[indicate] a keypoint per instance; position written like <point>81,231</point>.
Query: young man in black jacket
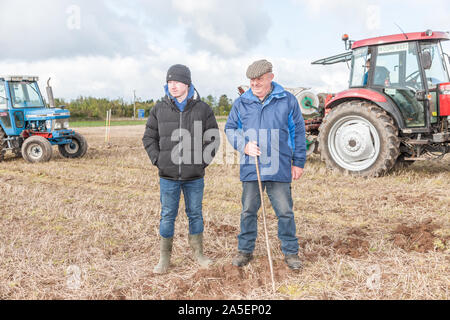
<point>181,138</point>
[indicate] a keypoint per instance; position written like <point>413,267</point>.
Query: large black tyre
<point>37,149</point>
<point>76,149</point>
<point>359,138</point>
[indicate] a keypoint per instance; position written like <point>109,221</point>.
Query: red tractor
<point>397,108</point>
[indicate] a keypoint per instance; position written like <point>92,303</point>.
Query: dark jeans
<point>170,192</point>
<point>281,199</point>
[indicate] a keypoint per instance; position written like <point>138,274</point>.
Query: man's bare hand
<point>296,172</point>
<point>252,149</point>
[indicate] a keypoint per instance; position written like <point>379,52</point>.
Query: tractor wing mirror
<point>51,100</point>
<point>426,60</point>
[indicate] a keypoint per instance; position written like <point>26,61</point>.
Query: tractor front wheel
<point>76,149</point>
<point>36,149</point>
<point>359,138</point>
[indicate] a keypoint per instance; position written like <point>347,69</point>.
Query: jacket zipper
<point>180,136</point>
<point>259,130</point>
<point>260,119</point>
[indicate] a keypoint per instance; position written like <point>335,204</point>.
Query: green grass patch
<point>102,123</point>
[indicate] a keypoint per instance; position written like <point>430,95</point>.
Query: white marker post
<point>108,126</point>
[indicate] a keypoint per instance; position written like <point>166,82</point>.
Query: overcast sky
<point>110,48</point>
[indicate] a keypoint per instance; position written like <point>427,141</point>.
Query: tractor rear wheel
<point>359,138</point>
<point>36,149</point>
<point>76,149</point>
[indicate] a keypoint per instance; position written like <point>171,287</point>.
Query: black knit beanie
<point>179,73</point>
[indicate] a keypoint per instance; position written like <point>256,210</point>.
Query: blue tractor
<point>29,128</point>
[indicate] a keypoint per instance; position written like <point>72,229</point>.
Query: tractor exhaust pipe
<point>51,100</point>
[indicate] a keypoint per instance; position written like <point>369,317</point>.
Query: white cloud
<point>364,12</point>
<point>227,30</point>
<point>373,21</point>
<point>194,6</point>
<point>223,42</point>
<point>117,76</point>
<point>322,6</point>
<point>46,29</point>
<point>300,73</point>
<point>67,28</point>
<point>122,46</point>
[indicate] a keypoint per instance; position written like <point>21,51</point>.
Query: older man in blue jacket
<point>266,124</point>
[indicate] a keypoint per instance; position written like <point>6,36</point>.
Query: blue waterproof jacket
<point>277,125</point>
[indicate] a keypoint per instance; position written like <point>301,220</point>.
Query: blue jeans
<point>281,199</point>
<point>170,192</point>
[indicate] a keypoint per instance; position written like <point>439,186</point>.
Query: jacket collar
<point>193,95</point>
<point>277,93</point>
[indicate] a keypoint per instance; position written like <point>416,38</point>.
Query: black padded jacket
<point>181,144</point>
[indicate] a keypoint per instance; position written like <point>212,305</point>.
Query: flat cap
<point>258,68</point>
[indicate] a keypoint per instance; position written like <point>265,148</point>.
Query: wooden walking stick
<point>265,225</point>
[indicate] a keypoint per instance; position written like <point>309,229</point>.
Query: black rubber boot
<point>196,243</point>
<point>165,253</point>
<point>242,259</point>
<point>293,261</point>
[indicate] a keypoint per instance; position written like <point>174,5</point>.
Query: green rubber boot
<point>165,253</point>
<point>196,243</point>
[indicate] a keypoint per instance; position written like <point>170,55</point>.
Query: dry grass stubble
<point>88,229</point>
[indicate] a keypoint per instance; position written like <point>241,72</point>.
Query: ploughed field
<point>88,228</point>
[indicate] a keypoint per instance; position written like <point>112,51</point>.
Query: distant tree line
<point>221,106</point>
<point>90,108</point>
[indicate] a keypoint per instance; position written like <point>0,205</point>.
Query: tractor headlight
<point>61,124</point>
<point>48,124</point>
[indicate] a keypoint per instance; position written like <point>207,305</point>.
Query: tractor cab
<point>397,107</point>
<point>407,70</point>
<point>28,127</point>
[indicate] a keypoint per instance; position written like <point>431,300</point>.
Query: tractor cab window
<point>397,66</point>
<point>4,114</point>
<point>435,72</point>
<point>397,72</point>
<point>360,67</point>
<point>434,65</point>
<point>3,100</point>
<point>25,95</point>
